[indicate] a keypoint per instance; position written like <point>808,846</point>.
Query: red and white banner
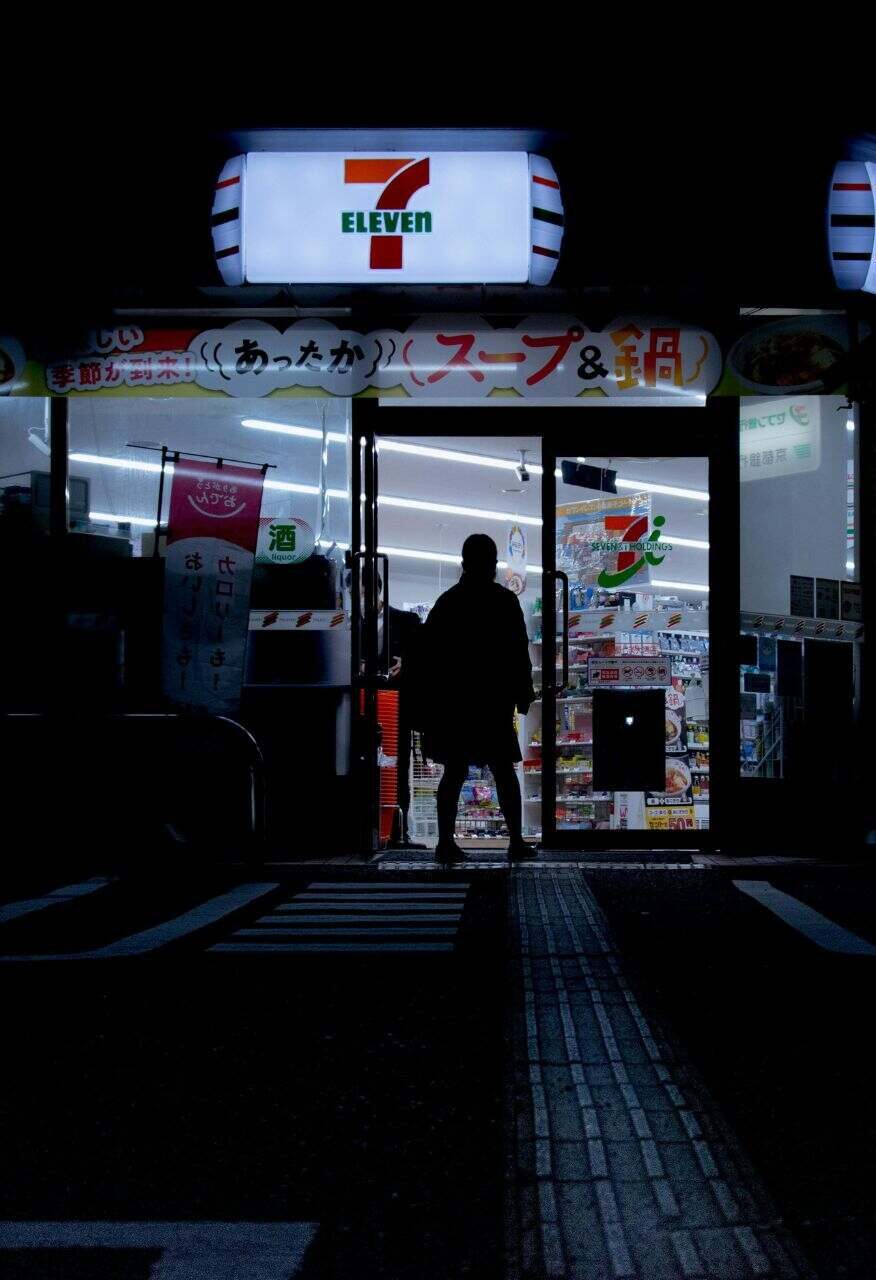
<point>212,535</point>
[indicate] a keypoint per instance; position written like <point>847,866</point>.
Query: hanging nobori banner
<point>212,535</point>
<point>437,357</point>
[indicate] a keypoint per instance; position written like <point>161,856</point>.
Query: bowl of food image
<point>673,728</point>
<point>678,778</point>
<point>801,354</point>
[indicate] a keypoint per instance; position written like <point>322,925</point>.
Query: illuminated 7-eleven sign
<point>387,217</point>
<point>390,219</point>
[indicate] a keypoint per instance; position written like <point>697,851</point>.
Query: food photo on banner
<point>212,536</point>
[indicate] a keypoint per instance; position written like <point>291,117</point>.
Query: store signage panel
<point>827,598</point>
<point>628,672</point>
<point>851,602</point>
<point>436,357</point>
<point>445,217</point>
<point>779,438</point>
<point>802,596</point>
<point>284,540</point>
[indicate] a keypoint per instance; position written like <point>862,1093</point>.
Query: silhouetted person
<point>473,669</point>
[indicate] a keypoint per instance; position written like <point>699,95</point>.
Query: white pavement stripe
<point>666,1201</point>
<point>384,884</point>
<point>299,908</point>
<point>15,910</point>
<point>651,1156</point>
<point>345,931</point>
<point>757,1259</point>
<point>266,947</point>
<point>190,1250</point>
<point>552,1243</point>
<point>686,1252</point>
<point>342,899</point>
<point>725,1199</point>
<point>806,920</point>
<point>621,1262</point>
<point>199,917</point>
<point>703,1153</point>
<point>397,917</point>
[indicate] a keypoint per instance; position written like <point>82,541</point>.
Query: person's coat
<point>467,671</point>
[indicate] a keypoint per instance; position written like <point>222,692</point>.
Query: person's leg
<point>508,787</point>
<point>447,800</point>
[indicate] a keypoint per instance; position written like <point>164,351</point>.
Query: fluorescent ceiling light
<point>310,433</point>
<point>409,553</point>
<point>698,495</point>
<point>449,455</point>
<point>680,586</point>
<point>441,508</point>
<point>125,464</point>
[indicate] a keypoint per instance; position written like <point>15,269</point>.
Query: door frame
<point>711,431</point>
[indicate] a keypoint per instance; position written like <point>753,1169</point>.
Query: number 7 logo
<point>400,179</point>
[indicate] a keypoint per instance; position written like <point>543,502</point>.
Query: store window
<point>799,521</point>
<point>114,484</point>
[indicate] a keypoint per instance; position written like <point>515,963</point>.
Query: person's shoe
<point>449,852</point>
<point>520,851</point>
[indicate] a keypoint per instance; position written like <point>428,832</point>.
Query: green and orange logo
<point>629,540</point>
<point>390,219</point>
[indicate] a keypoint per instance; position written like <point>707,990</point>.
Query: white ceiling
<point>106,427</point>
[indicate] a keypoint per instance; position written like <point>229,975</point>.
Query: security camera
<point>522,472</point>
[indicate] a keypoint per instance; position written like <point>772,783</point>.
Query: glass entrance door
<point>430,479</point>
<point>629,675</point>
<point>613,544</point>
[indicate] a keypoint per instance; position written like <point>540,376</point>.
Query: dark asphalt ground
<point>365,1093</point>
<point>361,1093</point>
<point>781,1030</point>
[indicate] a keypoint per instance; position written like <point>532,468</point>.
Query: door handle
<point>563,578</point>
<point>385,656</point>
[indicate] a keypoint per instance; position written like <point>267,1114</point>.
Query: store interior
<point>433,492</point>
